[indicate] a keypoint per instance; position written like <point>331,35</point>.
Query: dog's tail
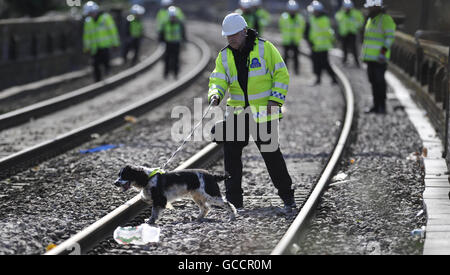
<point>221,177</point>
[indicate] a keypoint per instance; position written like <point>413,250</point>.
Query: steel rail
<point>51,105</point>
<point>289,243</point>
<point>36,154</point>
<point>86,239</point>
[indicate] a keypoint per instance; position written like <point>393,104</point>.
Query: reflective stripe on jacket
<point>349,22</point>
<point>268,79</point>
<point>291,29</point>
<point>321,34</point>
<point>379,33</point>
<point>100,34</point>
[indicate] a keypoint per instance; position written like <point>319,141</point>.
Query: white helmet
<point>317,6</point>
<point>245,4</point>
<point>256,3</point>
<point>373,3</point>
<point>232,24</point>
<point>292,5</point>
<point>172,11</point>
<point>89,7</point>
<point>348,4</point>
<point>166,3</point>
<point>137,9</point>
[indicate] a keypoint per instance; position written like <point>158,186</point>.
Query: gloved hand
<point>382,57</point>
<point>271,104</point>
<point>215,100</point>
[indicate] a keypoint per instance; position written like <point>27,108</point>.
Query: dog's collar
<point>156,171</point>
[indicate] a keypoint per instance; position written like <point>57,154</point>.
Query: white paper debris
<point>138,235</point>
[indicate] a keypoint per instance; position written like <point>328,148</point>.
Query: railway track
<point>48,106</point>
<point>97,238</point>
<point>26,158</point>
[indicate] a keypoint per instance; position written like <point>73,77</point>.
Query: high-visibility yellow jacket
<point>263,18</point>
<point>100,34</point>
<point>268,79</point>
<point>172,31</point>
<point>136,27</point>
<point>379,33</point>
<point>291,28</point>
<point>321,34</point>
<point>163,16</point>
<point>349,23</point>
<point>250,18</point>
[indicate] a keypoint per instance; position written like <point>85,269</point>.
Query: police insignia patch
<point>255,63</point>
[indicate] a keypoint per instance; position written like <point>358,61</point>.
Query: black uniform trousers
<point>349,44</point>
<point>320,63</point>
<point>274,161</point>
<point>295,52</point>
<point>133,44</point>
<point>171,58</point>
<point>101,58</point>
<point>375,72</point>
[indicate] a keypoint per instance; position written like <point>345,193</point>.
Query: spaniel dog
<point>162,188</point>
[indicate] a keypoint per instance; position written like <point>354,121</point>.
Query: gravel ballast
<point>374,209</point>
<point>60,197</point>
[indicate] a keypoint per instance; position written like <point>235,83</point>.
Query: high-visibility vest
<point>321,34</point>
<point>268,79</point>
<point>172,31</point>
<point>156,171</point>
<point>163,16</point>
<point>379,33</point>
<point>136,27</point>
<point>264,19</point>
<point>249,17</point>
<point>291,29</point>
<point>349,23</point>
<point>100,34</point>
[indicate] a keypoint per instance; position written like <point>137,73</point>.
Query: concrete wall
<point>33,49</point>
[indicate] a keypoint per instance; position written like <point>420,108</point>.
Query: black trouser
<point>375,72</point>
<point>321,62</point>
<point>349,43</point>
<point>274,161</point>
<point>171,58</point>
<point>101,58</point>
<point>133,44</point>
<point>294,50</point>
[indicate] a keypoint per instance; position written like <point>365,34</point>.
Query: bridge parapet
<point>424,65</point>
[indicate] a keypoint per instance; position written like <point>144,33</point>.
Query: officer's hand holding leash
<point>215,100</point>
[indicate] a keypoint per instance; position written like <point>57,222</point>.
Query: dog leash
<point>185,140</point>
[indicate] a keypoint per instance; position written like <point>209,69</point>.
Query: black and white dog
<point>161,189</point>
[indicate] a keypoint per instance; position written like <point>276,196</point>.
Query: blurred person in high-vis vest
<point>379,36</point>
<point>99,36</point>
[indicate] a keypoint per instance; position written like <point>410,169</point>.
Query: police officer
<point>350,21</point>
<point>99,36</point>
<point>376,51</point>
<point>254,73</point>
<point>135,32</point>
<point>321,37</point>
<point>246,10</point>
<point>292,26</point>
<point>163,14</point>
<point>172,34</point>
<point>262,15</point>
